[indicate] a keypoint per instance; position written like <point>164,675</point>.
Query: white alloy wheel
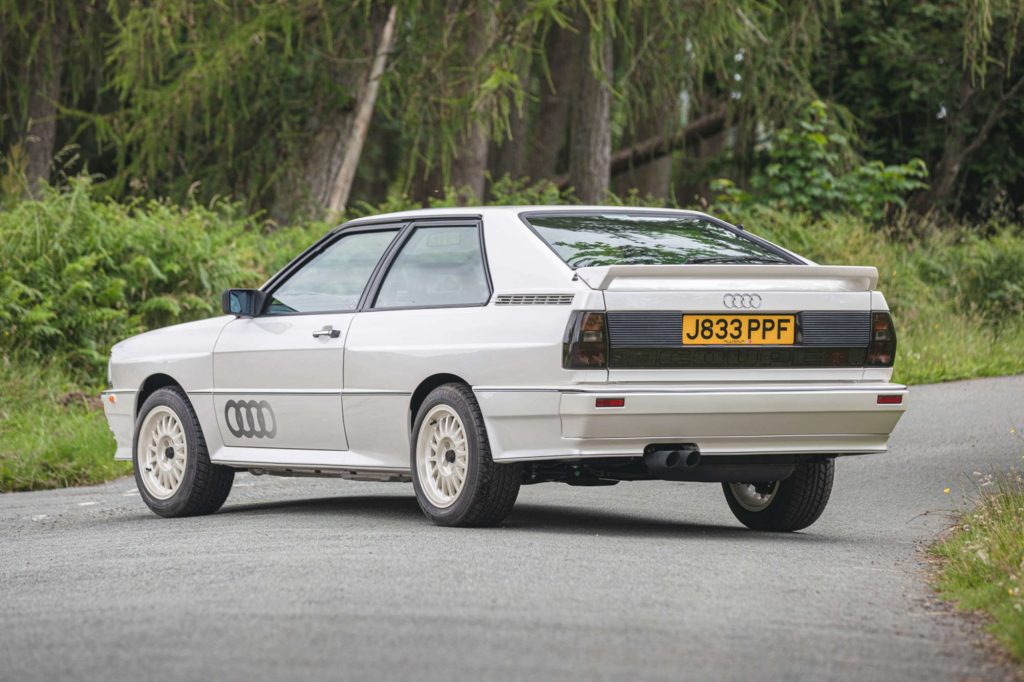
<point>754,497</point>
<point>162,452</point>
<point>442,456</point>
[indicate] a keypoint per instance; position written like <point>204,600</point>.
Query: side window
<point>437,266</point>
<point>334,280</point>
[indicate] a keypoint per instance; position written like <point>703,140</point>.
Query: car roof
<point>511,211</point>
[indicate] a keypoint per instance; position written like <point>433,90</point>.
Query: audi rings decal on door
<point>741,301</point>
<point>250,419</point>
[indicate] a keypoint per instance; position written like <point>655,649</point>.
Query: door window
<point>437,266</point>
<point>334,280</point>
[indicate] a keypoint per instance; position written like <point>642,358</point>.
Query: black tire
<point>798,502</point>
<point>204,486</point>
<point>489,490</point>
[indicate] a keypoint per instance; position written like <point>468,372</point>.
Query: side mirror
<point>242,302</point>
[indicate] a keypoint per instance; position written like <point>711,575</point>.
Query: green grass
<point>956,347</point>
<point>983,560</point>
<point>51,434</point>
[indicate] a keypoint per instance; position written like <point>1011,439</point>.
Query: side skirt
<point>327,463</point>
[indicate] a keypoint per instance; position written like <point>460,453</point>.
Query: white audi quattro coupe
<point>475,350</point>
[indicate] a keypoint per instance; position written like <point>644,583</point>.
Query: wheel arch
<point>151,385</point>
<point>424,389</point>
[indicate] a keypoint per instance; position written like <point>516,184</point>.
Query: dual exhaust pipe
<point>683,462</point>
<point>671,457</point>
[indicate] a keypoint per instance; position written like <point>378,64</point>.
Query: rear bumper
<point>846,419</point>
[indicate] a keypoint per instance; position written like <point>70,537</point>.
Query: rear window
<point>584,240</point>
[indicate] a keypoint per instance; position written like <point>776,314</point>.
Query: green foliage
<point>983,559</point>
<point>520,192</point>
<point>814,168</point>
<point>922,78</point>
<point>225,94</point>
<point>985,273</point>
<point>77,274</point>
<point>26,31</point>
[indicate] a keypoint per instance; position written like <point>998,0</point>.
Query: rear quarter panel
<point>389,353</point>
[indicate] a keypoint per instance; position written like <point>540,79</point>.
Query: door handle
<point>327,331</point>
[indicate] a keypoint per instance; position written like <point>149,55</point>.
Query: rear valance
<point>722,277</point>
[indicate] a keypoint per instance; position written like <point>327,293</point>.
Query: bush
<point>986,273</point>
<point>813,168</point>
<point>77,275</point>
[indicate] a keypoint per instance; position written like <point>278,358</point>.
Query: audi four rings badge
<point>250,419</point>
<point>741,301</point>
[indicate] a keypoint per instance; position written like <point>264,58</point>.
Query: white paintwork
<point>343,405</point>
<point>277,359</point>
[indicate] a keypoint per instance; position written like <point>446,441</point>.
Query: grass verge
<point>983,560</point>
<point>949,346</point>
<point>52,434</point>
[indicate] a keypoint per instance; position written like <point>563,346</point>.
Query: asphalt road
<point>302,579</point>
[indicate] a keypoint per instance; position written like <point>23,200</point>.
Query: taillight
<point>585,344</point>
<point>882,349</point>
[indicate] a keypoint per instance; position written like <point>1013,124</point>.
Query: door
<point>278,377</point>
<point>426,318</point>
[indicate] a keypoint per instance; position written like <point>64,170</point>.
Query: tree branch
<point>993,117</point>
<point>658,146</point>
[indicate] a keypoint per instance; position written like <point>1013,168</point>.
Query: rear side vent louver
<point>534,299</point>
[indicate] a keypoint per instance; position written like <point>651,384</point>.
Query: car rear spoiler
<point>831,277</point>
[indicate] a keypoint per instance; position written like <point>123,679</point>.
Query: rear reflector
<point>890,400</point>
<point>610,402</point>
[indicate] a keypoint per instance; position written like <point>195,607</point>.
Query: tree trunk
<point>508,155</point>
<point>590,141</point>
<point>322,176</point>
<point>552,118</point>
<point>41,128</point>
<point>654,177</point>
<point>701,150</point>
<point>957,150</point>
<point>944,175</point>
<point>342,182</point>
<point>656,147</point>
<point>469,164</point>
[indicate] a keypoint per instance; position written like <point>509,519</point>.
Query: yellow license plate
<point>744,330</point>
